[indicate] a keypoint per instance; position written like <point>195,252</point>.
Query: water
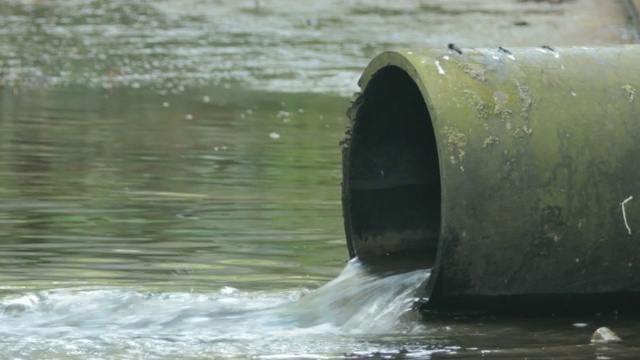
<point>170,170</point>
<point>115,187</point>
<point>356,315</point>
<point>346,315</point>
<point>318,46</point>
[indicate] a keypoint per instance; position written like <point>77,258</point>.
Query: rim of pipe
<point>391,190</point>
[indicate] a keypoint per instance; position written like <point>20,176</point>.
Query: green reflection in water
<point>190,190</point>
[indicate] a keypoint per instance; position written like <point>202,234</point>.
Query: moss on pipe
<point>503,169</point>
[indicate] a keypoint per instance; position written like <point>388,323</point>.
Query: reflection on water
<point>126,186</point>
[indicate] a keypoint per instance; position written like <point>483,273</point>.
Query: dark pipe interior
<point>393,189</point>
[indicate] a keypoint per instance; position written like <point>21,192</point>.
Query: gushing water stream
<point>126,324</point>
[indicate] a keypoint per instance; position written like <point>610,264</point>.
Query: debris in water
<point>440,69</point>
<point>274,135</point>
<point>283,114</point>
<point>604,334</point>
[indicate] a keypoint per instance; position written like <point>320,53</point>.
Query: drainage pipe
<point>511,173</point>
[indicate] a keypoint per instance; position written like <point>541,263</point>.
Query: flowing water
<point>170,170</point>
<point>349,314</point>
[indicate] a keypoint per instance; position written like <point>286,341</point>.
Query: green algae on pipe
<point>511,172</point>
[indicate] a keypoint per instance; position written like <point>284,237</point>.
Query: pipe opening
<point>392,185</point>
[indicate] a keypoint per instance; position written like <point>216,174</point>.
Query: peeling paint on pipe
<point>509,173</point>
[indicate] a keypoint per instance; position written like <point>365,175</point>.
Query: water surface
<point>190,190</point>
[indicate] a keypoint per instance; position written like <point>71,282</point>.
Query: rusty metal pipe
<point>510,172</point>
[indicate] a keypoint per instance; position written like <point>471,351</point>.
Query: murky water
<point>126,186</point>
<point>169,180</point>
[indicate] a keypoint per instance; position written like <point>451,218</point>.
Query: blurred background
<point>191,146</point>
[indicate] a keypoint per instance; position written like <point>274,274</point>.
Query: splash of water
<point>357,301</point>
<point>125,324</point>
